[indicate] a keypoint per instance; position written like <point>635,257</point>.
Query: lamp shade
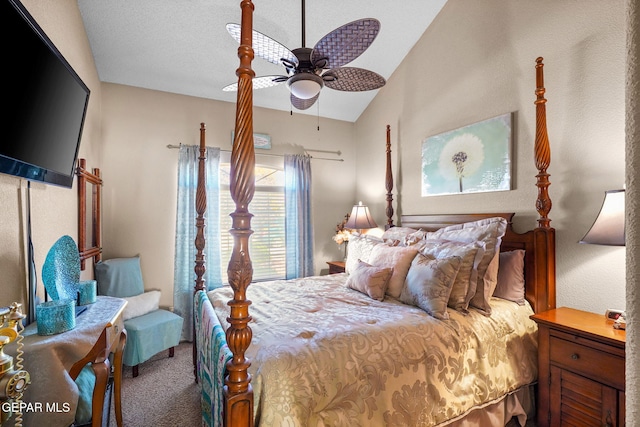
<point>305,85</point>
<point>360,218</point>
<point>608,228</point>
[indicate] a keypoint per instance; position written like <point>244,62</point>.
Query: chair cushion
<point>119,277</point>
<point>150,334</point>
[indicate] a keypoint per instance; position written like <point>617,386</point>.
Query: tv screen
<point>46,102</point>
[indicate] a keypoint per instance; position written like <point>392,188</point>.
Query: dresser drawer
<point>598,365</point>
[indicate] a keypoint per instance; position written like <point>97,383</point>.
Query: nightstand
<point>336,267</point>
<point>581,369</point>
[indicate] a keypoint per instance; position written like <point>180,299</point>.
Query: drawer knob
<point>575,356</point>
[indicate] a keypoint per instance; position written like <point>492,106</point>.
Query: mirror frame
<point>86,250</point>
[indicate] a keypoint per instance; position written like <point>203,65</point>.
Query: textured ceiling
<point>182,46</point>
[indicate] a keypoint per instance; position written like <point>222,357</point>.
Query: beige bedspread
<point>323,355</point>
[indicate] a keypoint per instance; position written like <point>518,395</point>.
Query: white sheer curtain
<point>185,251</point>
<point>298,225</point>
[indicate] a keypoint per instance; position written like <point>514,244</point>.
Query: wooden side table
<point>336,267</point>
<point>581,369</point>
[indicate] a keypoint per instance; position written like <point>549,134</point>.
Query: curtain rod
<point>171,146</point>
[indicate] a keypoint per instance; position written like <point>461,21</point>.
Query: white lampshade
<point>608,228</point>
<point>360,218</point>
<point>305,85</point>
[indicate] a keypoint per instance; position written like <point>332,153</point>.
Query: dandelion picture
<point>471,159</point>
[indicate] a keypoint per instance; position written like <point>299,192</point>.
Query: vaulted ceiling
<point>182,46</point>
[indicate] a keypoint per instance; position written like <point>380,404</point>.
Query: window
<point>267,243</point>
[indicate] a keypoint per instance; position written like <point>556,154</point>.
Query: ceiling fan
<point>309,70</point>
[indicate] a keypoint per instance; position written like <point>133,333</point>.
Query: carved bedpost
<point>542,149</point>
<point>201,207</point>
<point>238,393</point>
<point>544,235</point>
<point>389,182</point>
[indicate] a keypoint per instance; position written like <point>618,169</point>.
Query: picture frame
<point>260,140</point>
<point>471,159</point>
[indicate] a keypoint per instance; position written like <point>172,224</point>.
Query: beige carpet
<point>164,394</point>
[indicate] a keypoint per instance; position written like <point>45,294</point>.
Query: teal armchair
<point>150,329</point>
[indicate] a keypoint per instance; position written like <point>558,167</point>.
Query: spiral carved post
<point>542,150</point>
<point>201,207</point>
<point>238,393</point>
<point>389,182</point>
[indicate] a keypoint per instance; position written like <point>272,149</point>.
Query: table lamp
<point>360,218</point>
<point>608,228</point>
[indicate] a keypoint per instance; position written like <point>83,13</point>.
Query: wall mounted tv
<point>46,102</point>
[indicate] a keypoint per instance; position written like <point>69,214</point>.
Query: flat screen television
<point>45,103</point>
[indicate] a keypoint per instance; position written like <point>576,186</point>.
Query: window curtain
<point>184,275</point>
<point>298,226</point>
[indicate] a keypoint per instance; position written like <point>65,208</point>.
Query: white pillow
<point>141,304</point>
<point>359,248</point>
<point>398,258</point>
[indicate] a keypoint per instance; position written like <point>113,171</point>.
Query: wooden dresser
<point>581,362</point>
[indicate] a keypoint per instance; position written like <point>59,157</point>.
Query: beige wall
<point>476,61</point>
<point>53,209</point>
<point>140,173</point>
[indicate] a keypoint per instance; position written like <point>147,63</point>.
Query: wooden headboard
<point>538,244</point>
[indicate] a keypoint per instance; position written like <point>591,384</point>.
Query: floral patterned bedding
<point>323,354</point>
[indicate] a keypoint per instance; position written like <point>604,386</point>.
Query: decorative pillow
<point>429,282</point>
<point>511,277</point>
<point>370,280</point>
<point>397,257</point>
<point>466,281</point>
<point>359,249</point>
<point>489,231</point>
<point>119,277</point>
<point>141,304</point>
<point>397,233</point>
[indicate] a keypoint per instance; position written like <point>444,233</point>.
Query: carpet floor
<point>164,394</point>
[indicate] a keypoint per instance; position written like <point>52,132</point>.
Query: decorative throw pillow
<point>141,304</point>
<point>466,281</point>
<point>397,233</point>
<point>511,277</point>
<point>429,282</point>
<point>359,248</point>
<point>119,277</point>
<point>370,280</point>
<point>489,231</point>
<point>397,257</point>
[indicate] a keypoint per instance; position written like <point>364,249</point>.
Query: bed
<point>342,350</point>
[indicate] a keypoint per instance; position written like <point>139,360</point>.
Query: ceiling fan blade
<point>352,79</point>
<point>264,46</point>
<point>346,43</point>
<point>259,83</point>
<point>303,104</point>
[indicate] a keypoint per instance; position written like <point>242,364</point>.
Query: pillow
<point>359,249</point>
<point>397,233</point>
<point>141,304</point>
<point>429,282</point>
<point>489,231</point>
<point>397,257</point>
<point>466,281</point>
<point>119,277</point>
<point>511,277</point>
<point>370,280</point>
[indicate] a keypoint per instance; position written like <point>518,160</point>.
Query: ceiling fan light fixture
<point>305,85</point>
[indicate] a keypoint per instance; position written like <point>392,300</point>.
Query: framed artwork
<point>472,159</point>
<point>260,140</point>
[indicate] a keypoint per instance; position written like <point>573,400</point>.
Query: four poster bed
<point>369,346</point>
